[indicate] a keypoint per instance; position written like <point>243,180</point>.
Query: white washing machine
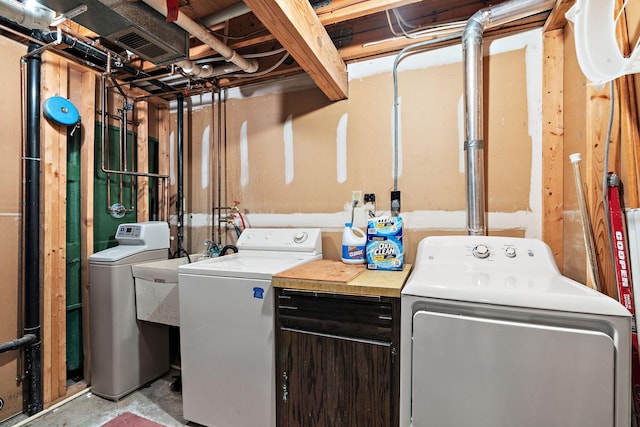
<point>493,336</point>
<point>125,353</point>
<point>227,327</point>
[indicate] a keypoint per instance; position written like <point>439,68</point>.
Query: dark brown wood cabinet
<point>337,359</point>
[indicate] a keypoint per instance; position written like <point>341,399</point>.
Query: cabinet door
<point>333,381</point>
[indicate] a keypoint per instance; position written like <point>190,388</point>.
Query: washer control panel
<point>281,239</point>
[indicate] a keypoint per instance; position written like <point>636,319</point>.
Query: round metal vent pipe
<point>489,17</point>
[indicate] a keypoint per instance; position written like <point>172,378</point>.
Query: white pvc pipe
<point>226,14</point>
<point>34,16</point>
<point>196,30</point>
<point>206,71</point>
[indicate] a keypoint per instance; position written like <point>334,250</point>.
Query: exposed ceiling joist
<point>344,10</point>
<point>297,27</point>
<point>320,35</point>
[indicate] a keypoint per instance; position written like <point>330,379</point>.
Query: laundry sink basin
<point>156,287</point>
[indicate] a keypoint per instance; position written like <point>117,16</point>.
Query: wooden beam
<point>337,11</point>
<point>553,158</point>
<point>344,10</point>
<point>297,27</point>
<point>556,19</point>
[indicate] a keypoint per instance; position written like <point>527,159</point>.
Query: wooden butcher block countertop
<point>336,277</point>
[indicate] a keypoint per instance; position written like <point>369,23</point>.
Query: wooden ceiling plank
<point>297,27</point>
<point>338,11</point>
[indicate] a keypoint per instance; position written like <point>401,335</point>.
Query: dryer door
<point>471,371</point>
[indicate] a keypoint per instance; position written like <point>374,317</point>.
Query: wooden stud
<point>597,116</point>
<point>626,94</point>
<point>53,220</point>
<point>553,157</point>
<point>86,202</point>
<point>163,161</point>
<point>142,145</point>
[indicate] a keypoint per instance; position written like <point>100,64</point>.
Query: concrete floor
<point>156,402</point>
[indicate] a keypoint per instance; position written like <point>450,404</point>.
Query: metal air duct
<point>133,26</point>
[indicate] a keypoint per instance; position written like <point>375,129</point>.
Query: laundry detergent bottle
<point>354,241</point>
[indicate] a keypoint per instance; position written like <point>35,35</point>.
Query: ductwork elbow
<point>473,30</point>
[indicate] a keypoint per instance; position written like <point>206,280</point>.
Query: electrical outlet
<point>356,196</point>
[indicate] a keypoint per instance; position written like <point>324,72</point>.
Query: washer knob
<point>510,252</point>
<point>481,251</point>
<point>300,237</point>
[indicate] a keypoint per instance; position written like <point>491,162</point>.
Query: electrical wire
<point>605,169</point>
<point>401,20</point>
<point>396,102</point>
<point>420,32</point>
<point>261,73</point>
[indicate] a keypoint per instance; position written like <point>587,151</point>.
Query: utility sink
<point>156,286</point>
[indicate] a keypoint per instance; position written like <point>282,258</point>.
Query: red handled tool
<point>623,279</point>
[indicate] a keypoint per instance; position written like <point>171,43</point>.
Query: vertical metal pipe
<point>219,167</point>
<point>474,144</point>
<point>103,136</point>
<point>33,353</point>
<point>179,201</point>
<point>122,147</point>
<point>473,98</point>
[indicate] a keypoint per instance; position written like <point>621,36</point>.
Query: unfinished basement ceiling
<point>320,36</point>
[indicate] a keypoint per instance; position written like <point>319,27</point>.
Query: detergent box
<point>384,243</point>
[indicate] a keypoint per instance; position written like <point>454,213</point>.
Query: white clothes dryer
<point>492,335</point>
<point>227,327</point>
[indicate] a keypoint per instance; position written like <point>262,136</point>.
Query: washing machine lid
<point>248,264</point>
<point>515,273</point>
